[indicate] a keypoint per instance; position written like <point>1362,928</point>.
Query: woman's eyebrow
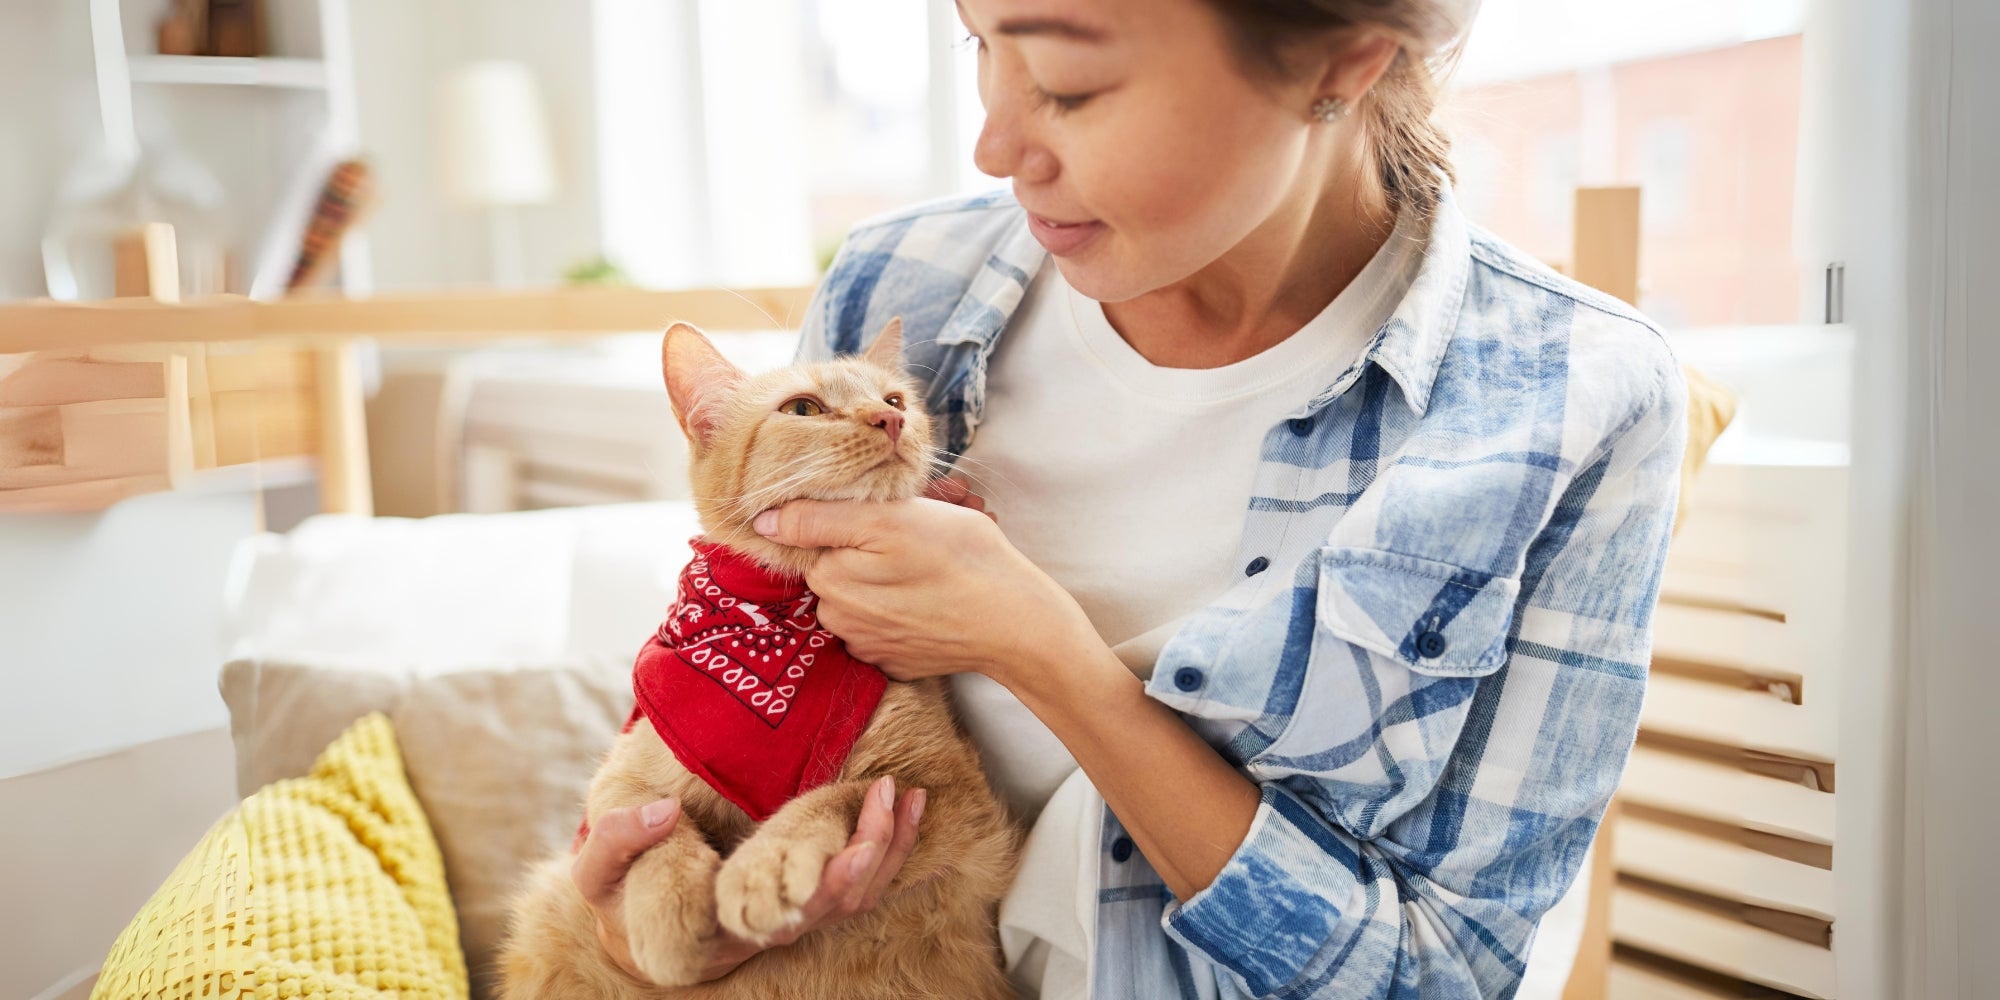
<point>1050,26</point>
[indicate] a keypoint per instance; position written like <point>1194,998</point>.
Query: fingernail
<point>766,523</point>
<point>917,807</point>
<point>659,812</point>
<point>885,790</point>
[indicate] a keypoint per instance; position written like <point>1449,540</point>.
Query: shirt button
<point>1431,645</point>
<point>1187,678</point>
<point>1121,849</point>
<point>1302,426</point>
<point>1257,565</point>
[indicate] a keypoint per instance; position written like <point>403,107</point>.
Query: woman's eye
<point>801,407</point>
<point>1063,103</point>
<point>894,399</point>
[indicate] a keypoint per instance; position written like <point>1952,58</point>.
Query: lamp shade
<point>494,138</point>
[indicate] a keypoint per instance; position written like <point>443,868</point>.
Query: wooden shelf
<point>268,71</point>
<point>434,317</point>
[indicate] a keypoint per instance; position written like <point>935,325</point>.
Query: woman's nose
<point>1006,148</point>
<point>997,152</point>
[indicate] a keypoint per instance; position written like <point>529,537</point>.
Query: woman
<point>1355,741</point>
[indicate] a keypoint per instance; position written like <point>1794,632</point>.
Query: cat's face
<point>850,429</point>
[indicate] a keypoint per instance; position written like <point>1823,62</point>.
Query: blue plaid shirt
<point>1438,681</point>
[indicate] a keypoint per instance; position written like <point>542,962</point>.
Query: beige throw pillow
<point>498,758</point>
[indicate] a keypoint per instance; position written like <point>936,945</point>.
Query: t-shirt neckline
<point>1336,334</point>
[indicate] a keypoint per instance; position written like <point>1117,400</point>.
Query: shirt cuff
<point>1277,902</point>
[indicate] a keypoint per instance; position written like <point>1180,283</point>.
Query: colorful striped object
<point>348,195</point>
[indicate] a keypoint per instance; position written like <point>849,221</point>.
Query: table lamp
<point>495,153</point>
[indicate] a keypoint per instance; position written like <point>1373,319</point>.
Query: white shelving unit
<point>268,127</point>
<point>226,71</point>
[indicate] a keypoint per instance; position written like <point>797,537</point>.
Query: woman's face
<point>1139,147</point>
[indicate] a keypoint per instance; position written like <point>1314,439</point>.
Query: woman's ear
<point>699,380</point>
<point>887,350</point>
<point>1357,59</point>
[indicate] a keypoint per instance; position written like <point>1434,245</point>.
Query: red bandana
<point>745,687</point>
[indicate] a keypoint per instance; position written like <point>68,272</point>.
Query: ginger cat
<point>846,429</point>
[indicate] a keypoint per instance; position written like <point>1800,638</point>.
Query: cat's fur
<point>933,933</point>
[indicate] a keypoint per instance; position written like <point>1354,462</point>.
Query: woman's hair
<point>1411,152</point>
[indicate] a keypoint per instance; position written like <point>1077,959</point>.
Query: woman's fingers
<point>873,829</point>
<point>953,491</point>
<point>948,490</point>
<point>901,843</point>
<point>852,881</point>
<point>614,842</point>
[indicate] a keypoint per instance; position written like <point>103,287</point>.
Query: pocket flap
<point>1435,617</point>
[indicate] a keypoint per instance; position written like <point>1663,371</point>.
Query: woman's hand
<point>956,492</point>
<point>922,588</point>
<point>621,835</point>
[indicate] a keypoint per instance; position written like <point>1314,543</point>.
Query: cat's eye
<point>894,399</point>
<point>802,406</point>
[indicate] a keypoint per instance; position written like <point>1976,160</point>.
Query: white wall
<point>402,50</point>
<point>114,757</point>
<point>111,625</point>
<point>48,116</point>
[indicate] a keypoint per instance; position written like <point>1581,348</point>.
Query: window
<point>1699,106</point>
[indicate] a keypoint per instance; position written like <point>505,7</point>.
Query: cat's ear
<point>887,350</point>
<point>699,379</point>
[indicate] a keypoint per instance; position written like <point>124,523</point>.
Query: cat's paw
<point>670,918</point>
<point>763,886</point>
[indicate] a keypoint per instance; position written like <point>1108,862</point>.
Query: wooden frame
<point>228,382</point>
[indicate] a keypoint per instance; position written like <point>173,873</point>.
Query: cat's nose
<point>891,423</point>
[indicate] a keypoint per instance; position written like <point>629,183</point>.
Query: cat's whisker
<point>770,494</point>
<point>983,480</point>
<point>775,325</point>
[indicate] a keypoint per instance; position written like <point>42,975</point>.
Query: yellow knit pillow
<point>329,886</point>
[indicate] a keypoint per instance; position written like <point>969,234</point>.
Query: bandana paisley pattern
<point>759,654</point>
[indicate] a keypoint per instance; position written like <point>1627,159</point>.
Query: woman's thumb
<point>813,524</point>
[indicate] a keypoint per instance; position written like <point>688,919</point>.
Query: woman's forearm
<point>1186,808</point>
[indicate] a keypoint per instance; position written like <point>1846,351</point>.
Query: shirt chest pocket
<point>1395,639</point>
<point>1435,618</point>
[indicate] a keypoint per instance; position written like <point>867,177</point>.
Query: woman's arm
<point>1186,807</point>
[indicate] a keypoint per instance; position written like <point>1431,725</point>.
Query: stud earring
<point>1329,109</point>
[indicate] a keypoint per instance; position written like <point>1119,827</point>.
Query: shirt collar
<point>997,289</point>
<point>1410,346</point>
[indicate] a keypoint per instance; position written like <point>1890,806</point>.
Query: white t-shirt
<point>1084,453</point>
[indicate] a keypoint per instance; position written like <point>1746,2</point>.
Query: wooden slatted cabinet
<point>1725,850</point>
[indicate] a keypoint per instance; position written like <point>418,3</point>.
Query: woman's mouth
<point>1063,238</point>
